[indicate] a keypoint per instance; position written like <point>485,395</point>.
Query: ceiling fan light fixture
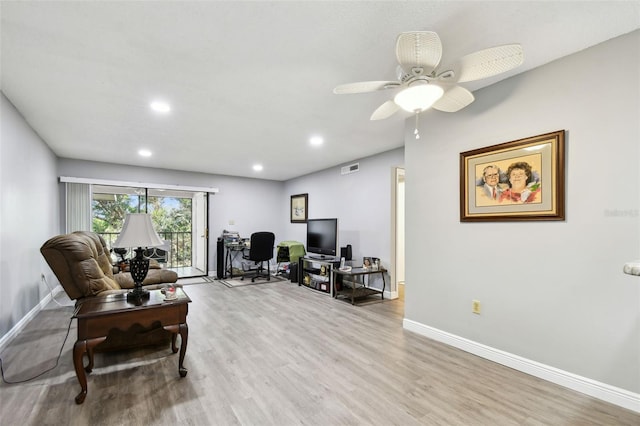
<point>420,80</point>
<point>418,98</point>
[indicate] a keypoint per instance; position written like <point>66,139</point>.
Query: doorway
<point>398,231</point>
<point>200,233</point>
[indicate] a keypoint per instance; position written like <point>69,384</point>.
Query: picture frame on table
<point>299,208</point>
<point>370,262</point>
<point>521,180</point>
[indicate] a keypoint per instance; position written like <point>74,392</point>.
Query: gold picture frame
<point>521,180</point>
<point>299,208</point>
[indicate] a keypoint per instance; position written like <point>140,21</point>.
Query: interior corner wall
<point>361,201</point>
<point>28,216</point>
<point>551,292</point>
<point>245,206</point>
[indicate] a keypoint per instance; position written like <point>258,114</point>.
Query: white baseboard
<point>6,339</point>
<point>390,295</point>
<point>608,393</point>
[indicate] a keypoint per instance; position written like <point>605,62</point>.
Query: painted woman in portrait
<point>524,184</point>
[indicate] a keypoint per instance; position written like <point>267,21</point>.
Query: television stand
<point>323,258</point>
<point>317,273</point>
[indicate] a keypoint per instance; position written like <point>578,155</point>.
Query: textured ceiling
<point>250,82</point>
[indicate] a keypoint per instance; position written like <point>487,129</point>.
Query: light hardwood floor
<point>188,271</point>
<point>279,354</point>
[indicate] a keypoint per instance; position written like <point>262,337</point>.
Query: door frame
<point>200,231</point>
<point>397,173</point>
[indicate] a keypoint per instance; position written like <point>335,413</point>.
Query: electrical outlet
<point>475,307</point>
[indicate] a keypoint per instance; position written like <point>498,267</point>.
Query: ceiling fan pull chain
<point>415,132</point>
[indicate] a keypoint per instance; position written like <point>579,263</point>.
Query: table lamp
<point>138,231</point>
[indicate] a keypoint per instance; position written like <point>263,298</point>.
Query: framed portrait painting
<point>299,206</point>
<point>514,181</point>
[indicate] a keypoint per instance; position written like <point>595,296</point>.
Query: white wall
<point>28,217</point>
<point>361,201</point>
<point>551,292</point>
<point>252,204</point>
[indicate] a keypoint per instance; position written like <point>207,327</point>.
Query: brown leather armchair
<point>81,263</point>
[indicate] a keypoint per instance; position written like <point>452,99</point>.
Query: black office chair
<point>260,251</point>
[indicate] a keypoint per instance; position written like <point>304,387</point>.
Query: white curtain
<point>78,207</point>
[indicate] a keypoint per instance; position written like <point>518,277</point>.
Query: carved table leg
<point>184,334</point>
<point>173,329</point>
<point>89,366</point>
<point>79,349</point>
<point>174,348</point>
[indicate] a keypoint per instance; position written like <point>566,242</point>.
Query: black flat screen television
<point>322,237</point>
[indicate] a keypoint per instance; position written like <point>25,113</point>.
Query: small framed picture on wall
<point>299,206</point>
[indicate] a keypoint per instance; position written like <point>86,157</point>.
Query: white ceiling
<point>250,82</point>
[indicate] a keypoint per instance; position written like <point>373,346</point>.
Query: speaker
<point>220,258</point>
<point>293,272</point>
<point>346,252</point>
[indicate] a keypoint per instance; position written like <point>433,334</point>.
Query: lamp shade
<point>418,97</point>
<point>138,231</point>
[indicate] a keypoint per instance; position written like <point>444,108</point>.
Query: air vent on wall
<point>351,168</point>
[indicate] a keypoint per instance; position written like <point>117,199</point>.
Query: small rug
<point>239,282</point>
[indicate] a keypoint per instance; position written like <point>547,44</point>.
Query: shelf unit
<point>317,274</point>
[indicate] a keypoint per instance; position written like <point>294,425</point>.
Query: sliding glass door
<point>179,217</point>
<point>200,235</point>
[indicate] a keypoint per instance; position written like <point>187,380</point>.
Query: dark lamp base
<point>138,294</point>
<point>139,267</point>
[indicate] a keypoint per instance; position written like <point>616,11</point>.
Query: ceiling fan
<point>424,85</point>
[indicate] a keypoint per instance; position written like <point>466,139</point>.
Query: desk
<point>360,286</point>
<point>97,316</point>
<point>232,251</point>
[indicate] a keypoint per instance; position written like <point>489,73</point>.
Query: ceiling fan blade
<point>419,49</point>
<point>364,86</point>
<point>489,62</point>
<point>385,110</point>
<point>454,99</point>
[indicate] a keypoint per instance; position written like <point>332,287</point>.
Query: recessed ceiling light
<point>257,167</point>
<point>316,141</point>
<point>144,153</point>
<point>159,106</point>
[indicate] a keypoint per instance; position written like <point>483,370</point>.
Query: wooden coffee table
<point>97,316</point>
